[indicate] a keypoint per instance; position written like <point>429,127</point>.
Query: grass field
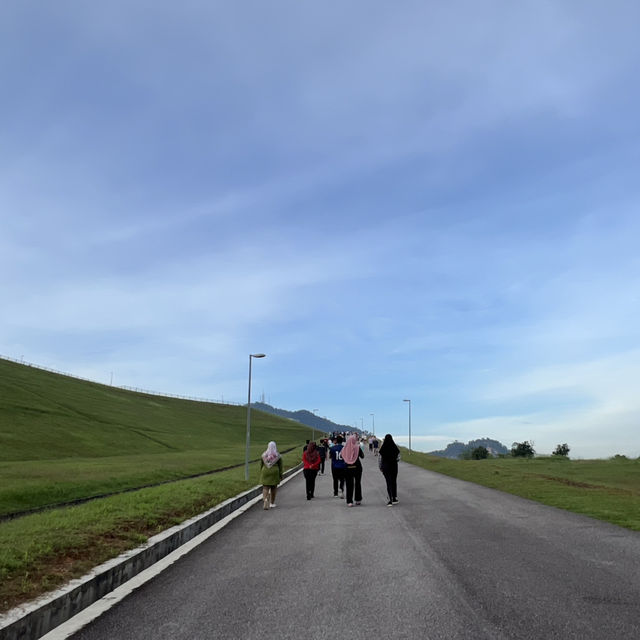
<point>63,439</point>
<point>605,489</point>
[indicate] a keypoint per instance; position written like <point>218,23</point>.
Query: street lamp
<point>246,451</point>
<point>409,401</point>
<point>373,423</point>
<point>313,426</point>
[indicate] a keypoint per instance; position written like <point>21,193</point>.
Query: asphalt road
<point>453,560</point>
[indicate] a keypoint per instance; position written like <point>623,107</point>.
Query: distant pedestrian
<point>389,456</point>
<point>376,444</point>
<point>270,475</point>
<point>322,450</point>
<point>311,464</point>
<point>337,466</point>
<point>351,454</point>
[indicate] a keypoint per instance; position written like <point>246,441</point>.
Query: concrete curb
<point>34,619</point>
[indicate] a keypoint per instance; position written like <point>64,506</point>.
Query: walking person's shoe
<point>335,495</point>
<point>358,503</point>
<point>349,504</point>
<point>265,503</point>
<point>273,506</point>
<point>342,494</point>
<point>395,501</point>
<point>389,504</point>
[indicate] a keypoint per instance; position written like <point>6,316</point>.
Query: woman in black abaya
<point>389,456</point>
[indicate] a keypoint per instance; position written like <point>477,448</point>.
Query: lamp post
<point>409,401</point>
<point>313,426</point>
<point>373,423</point>
<point>246,450</point>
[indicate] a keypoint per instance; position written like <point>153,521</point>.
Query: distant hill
<point>456,448</point>
<point>305,417</point>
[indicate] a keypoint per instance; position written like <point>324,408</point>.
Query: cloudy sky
<point>424,200</point>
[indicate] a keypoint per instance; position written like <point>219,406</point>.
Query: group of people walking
<point>346,468</point>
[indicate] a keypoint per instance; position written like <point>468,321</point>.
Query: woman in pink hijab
<point>351,454</point>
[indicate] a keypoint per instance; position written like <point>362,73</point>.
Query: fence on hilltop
<point>124,387</point>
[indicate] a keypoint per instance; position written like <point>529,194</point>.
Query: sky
<point>429,201</point>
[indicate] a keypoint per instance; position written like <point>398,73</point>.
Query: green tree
<point>522,449</point>
<point>561,450</point>
<point>479,453</point>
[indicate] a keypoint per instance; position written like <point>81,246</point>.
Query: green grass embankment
<point>605,489</point>
<point>63,439</point>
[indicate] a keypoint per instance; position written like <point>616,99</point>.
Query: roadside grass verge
<point>43,551</point>
<point>30,484</point>
<point>608,490</point>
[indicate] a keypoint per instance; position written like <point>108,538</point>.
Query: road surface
<point>452,560</point>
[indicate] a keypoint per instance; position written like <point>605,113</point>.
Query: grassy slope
<point>605,489</point>
<point>62,438</point>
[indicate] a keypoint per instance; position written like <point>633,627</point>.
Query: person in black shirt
<point>389,456</point>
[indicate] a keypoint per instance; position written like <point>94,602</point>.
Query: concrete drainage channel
<point>37,618</point>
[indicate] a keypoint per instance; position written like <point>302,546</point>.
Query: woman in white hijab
<point>270,475</point>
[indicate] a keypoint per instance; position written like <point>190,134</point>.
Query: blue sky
<point>424,200</point>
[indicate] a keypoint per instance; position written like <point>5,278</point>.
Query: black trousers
<point>321,465</point>
<point>310,479</point>
<point>353,478</point>
<point>338,478</point>
<point>390,474</point>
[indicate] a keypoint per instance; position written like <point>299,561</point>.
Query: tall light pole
<point>409,401</point>
<point>246,450</point>
<point>373,423</point>
<point>313,426</point>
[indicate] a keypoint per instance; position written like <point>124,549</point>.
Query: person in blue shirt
<point>338,467</point>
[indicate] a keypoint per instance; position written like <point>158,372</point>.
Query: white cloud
<point>336,185</point>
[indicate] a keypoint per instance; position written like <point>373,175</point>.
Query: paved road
<point>453,560</point>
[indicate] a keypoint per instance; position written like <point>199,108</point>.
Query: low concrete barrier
<point>35,619</point>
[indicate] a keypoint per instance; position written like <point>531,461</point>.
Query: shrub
<point>561,450</point>
<point>479,453</point>
<point>522,449</point>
